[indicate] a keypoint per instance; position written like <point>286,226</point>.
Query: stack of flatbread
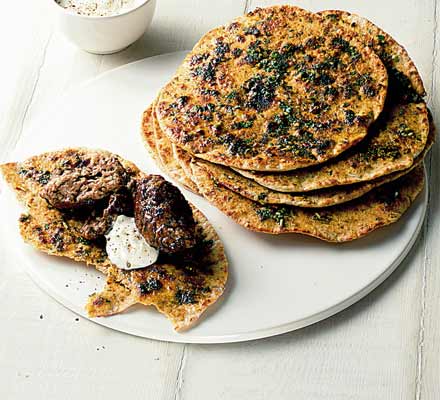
<point>292,121</point>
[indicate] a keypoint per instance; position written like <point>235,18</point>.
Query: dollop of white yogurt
<point>126,247</point>
<point>97,8</point>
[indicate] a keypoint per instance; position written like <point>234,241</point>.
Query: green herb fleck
<point>43,178</point>
<point>243,124</point>
<point>232,95</point>
<point>381,39</point>
<point>207,72</point>
<point>57,240</point>
<point>82,240</point>
<point>405,131</point>
<point>185,296</point>
<point>255,53</point>
<point>350,117</point>
<point>400,88</point>
<point>221,48</point>
<point>278,214</point>
<point>236,145</point>
<point>262,196</point>
<point>322,217</point>
<point>252,30</point>
<point>237,52</point>
<point>149,286</point>
<point>260,92</point>
<point>377,152</point>
<point>345,46</point>
<point>333,17</point>
<point>207,243</point>
<point>209,92</point>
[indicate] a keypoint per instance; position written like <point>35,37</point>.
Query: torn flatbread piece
<point>181,287</point>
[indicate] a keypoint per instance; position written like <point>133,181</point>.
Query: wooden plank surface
<point>385,347</point>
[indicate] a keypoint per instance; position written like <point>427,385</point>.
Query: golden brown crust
<point>226,98</point>
<point>148,138</point>
<point>184,160</point>
<point>341,223</point>
<point>315,199</point>
<point>113,299</point>
<point>399,137</point>
<point>393,55</point>
<point>160,149</point>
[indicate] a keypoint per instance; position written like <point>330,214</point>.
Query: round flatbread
<point>181,293</point>
<point>315,199</point>
<point>165,152</point>
<point>278,89</point>
<point>393,144</point>
<point>404,81</point>
<point>147,135</point>
<point>161,151</point>
<point>184,159</point>
<point>341,223</point>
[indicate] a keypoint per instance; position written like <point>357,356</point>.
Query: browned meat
<point>84,181</point>
<point>97,226</point>
<point>163,216</point>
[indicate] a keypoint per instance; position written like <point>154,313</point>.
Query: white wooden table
<point>385,347</point>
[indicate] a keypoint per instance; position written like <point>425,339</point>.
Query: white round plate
<point>277,283</point>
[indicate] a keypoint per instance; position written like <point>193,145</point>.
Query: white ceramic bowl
<point>108,34</point>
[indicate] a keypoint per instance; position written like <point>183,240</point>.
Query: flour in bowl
<point>98,8</point>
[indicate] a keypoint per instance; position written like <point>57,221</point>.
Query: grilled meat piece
<point>84,181</point>
<point>97,226</point>
<point>163,216</point>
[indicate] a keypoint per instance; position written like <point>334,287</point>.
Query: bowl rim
<point>99,17</point>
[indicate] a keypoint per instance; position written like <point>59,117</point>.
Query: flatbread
<point>393,144</point>
<point>161,151</point>
<point>148,138</point>
<point>315,199</point>
<point>165,151</point>
<point>185,293</point>
<point>404,81</point>
<point>184,159</point>
<point>341,223</point>
<point>278,89</point>
<point>181,294</point>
